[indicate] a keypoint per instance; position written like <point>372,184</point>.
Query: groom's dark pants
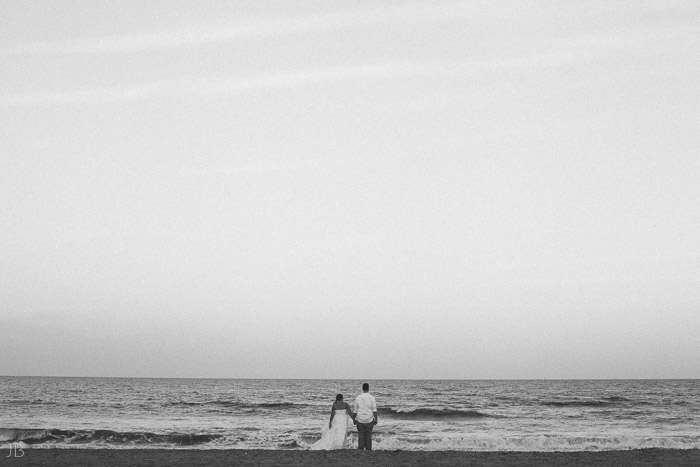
<point>364,435</point>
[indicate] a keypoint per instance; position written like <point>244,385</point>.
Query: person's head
<point>365,387</point>
<point>339,398</point>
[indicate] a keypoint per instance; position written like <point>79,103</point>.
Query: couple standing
<point>363,414</point>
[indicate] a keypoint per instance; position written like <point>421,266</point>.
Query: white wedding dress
<point>337,436</point>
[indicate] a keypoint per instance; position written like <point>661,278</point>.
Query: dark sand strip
<point>345,458</point>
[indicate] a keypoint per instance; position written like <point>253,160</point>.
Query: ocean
<point>467,415</point>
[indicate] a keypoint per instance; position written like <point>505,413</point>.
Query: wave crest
<point>431,414</point>
<point>234,404</point>
<point>56,436</point>
<point>531,443</point>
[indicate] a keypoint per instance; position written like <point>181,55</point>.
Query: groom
<point>365,417</point>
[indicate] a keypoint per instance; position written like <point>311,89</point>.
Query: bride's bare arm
<point>332,415</point>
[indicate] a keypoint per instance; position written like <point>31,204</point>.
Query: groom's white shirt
<point>364,406</point>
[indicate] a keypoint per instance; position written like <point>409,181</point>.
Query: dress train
<point>336,437</point>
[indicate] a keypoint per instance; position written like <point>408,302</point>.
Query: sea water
<point>549,415</point>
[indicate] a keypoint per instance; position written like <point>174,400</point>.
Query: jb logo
<point>16,450</point>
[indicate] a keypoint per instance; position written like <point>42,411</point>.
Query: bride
<point>337,433</point>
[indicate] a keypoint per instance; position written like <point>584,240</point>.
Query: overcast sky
<point>347,189</point>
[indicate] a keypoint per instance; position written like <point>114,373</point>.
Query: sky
<point>365,190</point>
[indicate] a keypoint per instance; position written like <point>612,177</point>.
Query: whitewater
<point>468,415</point>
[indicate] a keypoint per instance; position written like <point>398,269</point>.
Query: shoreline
<point>348,458</point>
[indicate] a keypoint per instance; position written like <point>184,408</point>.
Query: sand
<point>240,457</point>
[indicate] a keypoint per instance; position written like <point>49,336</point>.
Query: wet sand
<point>345,458</point>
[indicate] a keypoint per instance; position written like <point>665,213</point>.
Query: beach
<point>347,457</point>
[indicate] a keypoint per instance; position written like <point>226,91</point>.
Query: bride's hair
<point>339,398</point>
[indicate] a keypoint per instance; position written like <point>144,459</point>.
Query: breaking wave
<point>576,403</point>
<point>383,440</point>
<point>544,443</point>
<point>235,404</point>
<point>102,437</point>
<point>602,402</point>
<point>431,414</point>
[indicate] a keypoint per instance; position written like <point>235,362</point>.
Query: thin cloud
<point>200,87</point>
<point>204,87</point>
<point>168,39</point>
